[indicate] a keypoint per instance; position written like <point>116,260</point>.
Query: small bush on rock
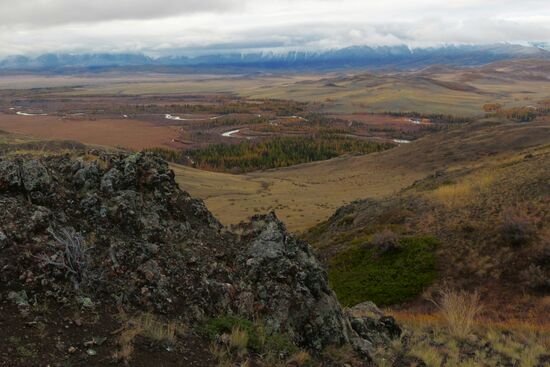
<point>243,336</point>
<point>72,256</point>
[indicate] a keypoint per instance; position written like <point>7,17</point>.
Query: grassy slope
<point>302,195</point>
<point>305,195</point>
<point>489,172</point>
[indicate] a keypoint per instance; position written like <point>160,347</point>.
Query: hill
<point>481,215</point>
<point>104,259</point>
<point>304,195</point>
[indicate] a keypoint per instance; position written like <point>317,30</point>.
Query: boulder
<point>283,282</point>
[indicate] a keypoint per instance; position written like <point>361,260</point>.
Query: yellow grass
<point>238,340</point>
<point>430,355</point>
<point>459,310</point>
<point>148,326</point>
<point>465,192</point>
<point>299,359</point>
<point>155,330</point>
<point>428,337</point>
<point>301,196</point>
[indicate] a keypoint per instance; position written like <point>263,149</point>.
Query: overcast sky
<point>160,27</point>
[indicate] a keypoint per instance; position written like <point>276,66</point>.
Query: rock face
<point>283,282</point>
<point>115,229</point>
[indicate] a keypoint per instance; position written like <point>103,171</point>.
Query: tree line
<point>277,152</point>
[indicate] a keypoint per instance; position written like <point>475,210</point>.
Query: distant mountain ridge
<point>350,57</point>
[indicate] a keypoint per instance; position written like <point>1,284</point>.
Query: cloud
<point>36,13</point>
<point>205,26</point>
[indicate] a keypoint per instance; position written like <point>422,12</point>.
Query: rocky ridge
<point>114,230</point>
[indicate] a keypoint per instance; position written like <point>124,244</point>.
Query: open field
<point>125,133</point>
<point>301,195</point>
<point>433,90</point>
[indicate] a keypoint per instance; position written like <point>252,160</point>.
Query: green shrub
<point>364,274</point>
<point>258,339</point>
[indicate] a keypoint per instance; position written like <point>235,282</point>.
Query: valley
<point>408,185</point>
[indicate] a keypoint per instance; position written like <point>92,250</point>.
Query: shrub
<point>516,230</point>
<point>72,256</point>
<point>257,338</point>
<point>536,278</point>
<point>363,274</point>
<point>386,241</point>
<point>225,324</point>
<point>459,309</point>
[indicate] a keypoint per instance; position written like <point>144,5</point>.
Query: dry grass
<point>436,320</point>
<point>430,355</point>
<point>233,349</point>
<point>459,310</point>
<point>489,343</point>
<point>222,355</point>
<point>125,343</point>
<point>238,341</point>
<point>155,330</point>
<point>302,358</point>
<point>317,189</point>
<point>147,326</point>
<point>124,353</point>
<point>465,192</point>
<point>133,134</point>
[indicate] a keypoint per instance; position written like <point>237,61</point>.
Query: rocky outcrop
<point>115,229</point>
<point>371,327</point>
<point>284,283</point>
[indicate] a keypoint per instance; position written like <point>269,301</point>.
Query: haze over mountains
<point>350,57</point>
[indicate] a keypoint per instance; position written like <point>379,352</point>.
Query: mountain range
<point>399,57</point>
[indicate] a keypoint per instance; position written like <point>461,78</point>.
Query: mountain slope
<point>351,57</point>
<point>486,206</point>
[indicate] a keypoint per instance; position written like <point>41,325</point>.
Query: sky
<point>191,27</point>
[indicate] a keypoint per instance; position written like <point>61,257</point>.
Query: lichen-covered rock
<point>372,328</point>
<point>136,240</point>
<point>10,176</point>
<point>284,283</point>
<point>35,176</point>
<point>3,239</point>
